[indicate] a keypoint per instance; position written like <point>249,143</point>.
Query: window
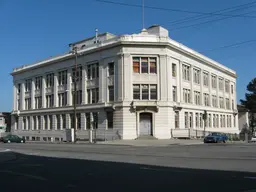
<point>224,120</point>
<point>111,69</point>
<point>234,121</point>
<point>214,81</point>
<point>136,65</point>
<point>210,120</point>
<point>197,97</point>
<point>50,122</point>
<point>232,89</point>
<point>58,122</point>
<point>62,97</point>
<point>28,85</point>
<point>88,120</point>
<point>144,65</point>
<point>45,122</point>
<point>63,117</point>
<point>38,102</point>
<point>111,93</point>
<point>186,72</point>
<point>78,97</point>
<point>89,96</point>
<point>50,80</point>
<point>77,73</point>
<point>145,93</point>
<point>93,71</point>
<point>201,120</point>
<point>227,103</point>
<point>217,121</point>
<point>233,105</point>
<point>197,120</point>
<point>186,95</point>
<point>206,79</point>
<point>110,119</point>
<point>176,119</point>
<point>174,70</point>
<point>227,86</point>
<point>197,76</point>
<point>19,88</point>
<point>35,122</point>
<point>136,91</point>
<point>93,95</point>
<point>49,100</point>
<point>38,83</point>
<point>153,92</point>
<point>153,65</point>
<point>188,120</point>
<point>214,101</point>
<point>78,121</point>
<point>62,77</point>
<point>221,86</point>
<point>27,103</point>
<point>206,99</point>
<point>174,93</point>
<point>221,102</point>
<point>39,122</point>
<point>214,120</point>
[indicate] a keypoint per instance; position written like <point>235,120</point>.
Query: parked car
<point>13,139</point>
<point>253,140</point>
<point>216,138</point>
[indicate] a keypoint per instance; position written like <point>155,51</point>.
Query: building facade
<point>128,86</point>
<point>5,122</point>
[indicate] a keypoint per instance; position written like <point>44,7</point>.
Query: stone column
<point>54,122</point>
<point>127,78</point>
<point>169,78</point>
<point>102,82</point>
<point>84,86</point>
<point>31,122</point>
<point>192,84</point>
<point>20,123</point>
<point>42,122</point>
<point>210,89</point>
<point>162,77</point>
<point>83,121</point>
<point>22,97</point>
<point>15,97</point>
<point>68,122</point>
<point>55,90</point>
<point>43,92</point>
<point>32,93</point>
<point>69,87</point>
<point>119,81</point>
<point>201,87</point>
<point>179,82</point>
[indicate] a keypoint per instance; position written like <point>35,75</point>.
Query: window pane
<point>110,120</point>
<point>136,91</point>
<point>153,92</point>
<point>145,95</point>
<point>136,64</point>
<point>152,65</point>
<point>111,93</point>
<point>144,65</point>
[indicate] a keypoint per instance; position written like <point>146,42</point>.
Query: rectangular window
<point>62,78</point>
<point>110,93</point>
<point>28,85</point>
<point>77,73</point>
<point>144,65</point>
<point>186,120</point>
<point>210,120</point>
<point>110,119</point>
<point>153,92</point>
<point>78,121</point>
<point>186,72</point>
<point>136,92</point>
<point>45,122</point>
<point>89,71</point>
<point>145,92</point>
<point>63,121</point>
<point>227,85</point>
<point>50,80</point>
<point>174,70</point>
<point>111,69</point>
<point>153,65</point>
<point>88,120</point>
<point>35,122</point>
<point>214,81</point>
<point>39,122</point>
<point>93,95</point>
<point>186,96</point>
<point>214,100</point>
<point>176,119</point>
<point>197,76</point>
<point>221,86</point>
<point>197,97</point>
<point>206,99</point>
<point>174,93</point>
<point>197,120</point>
<point>38,83</point>
<point>58,122</point>
<point>136,64</point>
<point>206,79</point>
<point>232,89</point>
<point>201,120</point>
<point>89,96</point>
<point>227,103</point>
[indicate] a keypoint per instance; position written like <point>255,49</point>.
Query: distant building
<point>129,86</point>
<point>5,121</point>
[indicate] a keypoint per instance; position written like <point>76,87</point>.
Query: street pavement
<point>80,167</point>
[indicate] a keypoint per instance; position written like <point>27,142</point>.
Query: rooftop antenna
<point>96,35</point>
<point>143,22</point>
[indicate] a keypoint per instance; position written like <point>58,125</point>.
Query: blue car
<point>216,138</point>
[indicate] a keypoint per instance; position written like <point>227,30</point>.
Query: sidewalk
<point>155,143</point>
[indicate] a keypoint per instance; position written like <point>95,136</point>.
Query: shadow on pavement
<point>36,173</point>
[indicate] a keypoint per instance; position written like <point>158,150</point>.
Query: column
<point>162,77</point>
<point>55,90</point>
<point>84,85</point>
<point>31,122</point>
<point>210,88</point>
<point>54,122</point>
<point>42,122</point>
<point>32,95</point>
<point>20,123</point>
<point>83,121</point>
<point>119,78</point>
<point>27,125</point>
<point>69,88</point>
<point>37,125</point>
<point>43,92</point>
<point>217,91</point>
<point>102,82</point>
<point>169,79</point>
<point>61,123</point>
<point>179,82</point>
<point>181,120</point>
<point>191,84</point>
<point>127,78</point>
<point>91,120</point>
<point>22,97</point>
<point>15,97</point>
<point>201,87</point>
<point>68,122</point>
<point>48,122</point>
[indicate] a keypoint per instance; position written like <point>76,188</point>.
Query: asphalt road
<point>67,167</point>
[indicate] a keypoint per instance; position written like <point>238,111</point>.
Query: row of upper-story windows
<point>145,65</point>
<point>186,75</point>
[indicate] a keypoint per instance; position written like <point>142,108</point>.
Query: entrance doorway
<point>146,124</point>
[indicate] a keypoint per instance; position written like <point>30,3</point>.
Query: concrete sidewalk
<point>155,143</point>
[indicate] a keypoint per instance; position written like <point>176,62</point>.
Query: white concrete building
<point>130,86</point>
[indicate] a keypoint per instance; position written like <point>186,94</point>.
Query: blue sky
<point>33,30</point>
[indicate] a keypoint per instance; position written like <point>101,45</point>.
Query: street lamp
<point>205,118</point>
<point>74,52</point>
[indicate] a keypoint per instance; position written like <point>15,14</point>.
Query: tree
<point>250,103</point>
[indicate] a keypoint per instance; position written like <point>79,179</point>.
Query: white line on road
<point>24,175</point>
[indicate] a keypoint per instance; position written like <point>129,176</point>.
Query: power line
<point>229,46</point>
<point>174,10</point>
<point>206,22</point>
<point>194,18</point>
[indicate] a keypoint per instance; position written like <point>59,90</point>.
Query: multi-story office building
<point>127,86</point>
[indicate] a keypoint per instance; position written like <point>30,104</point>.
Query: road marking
<point>6,150</point>
<point>24,175</point>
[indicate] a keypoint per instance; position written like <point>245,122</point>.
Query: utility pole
<point>74,51</point>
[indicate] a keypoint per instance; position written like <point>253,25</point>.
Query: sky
<point>33,30</point>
